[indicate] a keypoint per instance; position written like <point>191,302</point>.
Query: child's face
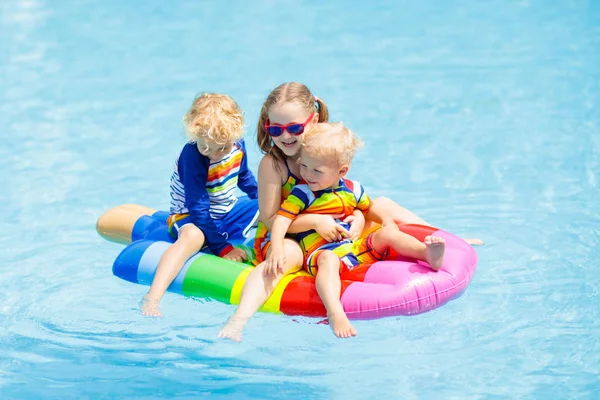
<point>288,113</point>
<point>319,173</point>
<point>215,152</point>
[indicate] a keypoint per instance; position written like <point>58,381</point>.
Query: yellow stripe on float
<point>273,302</point>
<point>238,285</point>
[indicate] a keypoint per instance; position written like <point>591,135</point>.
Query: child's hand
<point>357,224</point>
<point>331,230</point>
<point>236,254</point>
<point>274,263</point>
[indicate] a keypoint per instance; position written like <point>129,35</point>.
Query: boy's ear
<point>344,170</point>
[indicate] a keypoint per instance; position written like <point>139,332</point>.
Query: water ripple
<point>482,118</point>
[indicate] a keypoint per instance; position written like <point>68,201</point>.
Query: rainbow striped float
<point>386,288</point>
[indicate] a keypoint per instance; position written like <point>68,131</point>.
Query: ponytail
<point>322,110</point>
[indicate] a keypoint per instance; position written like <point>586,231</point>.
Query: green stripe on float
<point>211,276</point>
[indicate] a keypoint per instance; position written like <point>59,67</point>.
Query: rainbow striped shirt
<point>206,189</point>
<point>344,199</point>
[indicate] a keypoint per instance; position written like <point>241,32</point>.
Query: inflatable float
<point>385,288</point>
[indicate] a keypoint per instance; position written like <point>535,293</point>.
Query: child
<point>324,161</point>
<point>204,207</point>
<point>289,111</point>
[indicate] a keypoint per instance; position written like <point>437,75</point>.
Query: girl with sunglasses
<point>290,110</point>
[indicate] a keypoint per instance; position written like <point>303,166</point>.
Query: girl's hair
<point>333,142</point>
<point>215,118</point>
<point>292,92</point>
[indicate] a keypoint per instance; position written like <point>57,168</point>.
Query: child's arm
<point>193,172</point>
<point>276,260</point>
<point>246,181</point>
<point>296,202</point>
<point>269,189</point>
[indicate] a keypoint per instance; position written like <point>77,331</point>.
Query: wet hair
<point>215,118</point>
<point>292,92</point>
<point>331,142</point>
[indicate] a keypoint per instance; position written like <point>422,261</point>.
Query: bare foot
<point>474,241</point>
<point>434,253</point>
<point>341,326</point>
<point>233,329</point>
<point>149,307</point>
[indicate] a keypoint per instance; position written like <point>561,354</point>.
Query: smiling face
<point>319,172</point>
<point>287,113</point>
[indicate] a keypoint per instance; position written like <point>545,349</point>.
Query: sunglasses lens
<point>295,129</point>
<point>274,130</point>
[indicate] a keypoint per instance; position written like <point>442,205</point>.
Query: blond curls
<point>214,118</point>
<point>331,141</point>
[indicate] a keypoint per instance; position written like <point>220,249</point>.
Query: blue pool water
<point>482,117</point>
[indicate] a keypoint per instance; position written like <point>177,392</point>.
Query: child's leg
<point>431,251</point>
<point>257,290</point>
<point>329,287</point>
<point>402,216</point>
<point>188,243</point>
<point>399,214</point>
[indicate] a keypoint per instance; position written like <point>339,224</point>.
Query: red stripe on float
<point>418,231</point>
<point>300,297</point>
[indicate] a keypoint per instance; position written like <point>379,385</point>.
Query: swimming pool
<point>481,117</point>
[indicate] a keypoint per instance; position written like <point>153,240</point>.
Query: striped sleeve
<point>298,200</point>
<point>363,201</point>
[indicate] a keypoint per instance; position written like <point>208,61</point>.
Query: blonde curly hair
<point>214,118</point>
<point>331,142</point>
